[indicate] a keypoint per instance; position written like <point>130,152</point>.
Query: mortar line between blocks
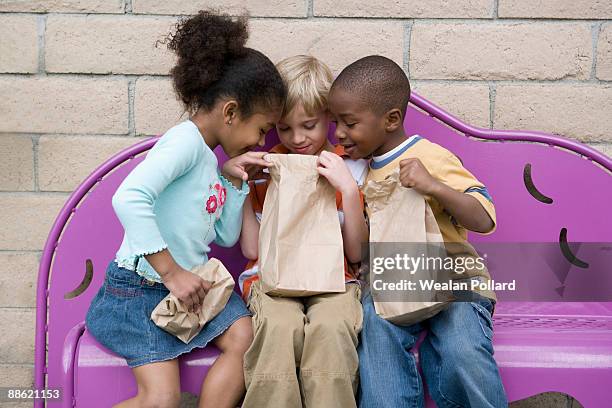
<point>492,94</point>
<point>484,80</point>
<point>35,151</point>
<point>406,48</point>
<point>44,193</point>
<point>131,101</point>
<point>21,251</point>
<point>41,27</point>
<point>595,32</point>
<point>433,20</point>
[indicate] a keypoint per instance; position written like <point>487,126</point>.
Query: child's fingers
<point>331,157</point>
<point>206,285</point>
<point>241,173</point>
<point>257,155</point>
<point>201,294</point>
<point>327,154</point>
<point>331,160</point>
<point>188,302</point>
<point>195,299</point>
<point>323,171</point>
<point>257,158</point>
<point>334,157</point>
<point>257,161</point>
<point>324,161</point>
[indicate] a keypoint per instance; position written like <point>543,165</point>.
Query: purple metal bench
<point>564,347</point>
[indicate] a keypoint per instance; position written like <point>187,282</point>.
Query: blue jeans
<point>456,359</point>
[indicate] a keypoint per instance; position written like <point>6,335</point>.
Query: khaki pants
<point>304,352</point>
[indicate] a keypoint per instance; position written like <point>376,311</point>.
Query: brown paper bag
<point>401,221</point>
<point>300,243</point>
<point>172,316</point>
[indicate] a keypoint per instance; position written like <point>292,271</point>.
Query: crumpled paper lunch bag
<point>172,316</point>
<point>300,242</point>
<point>402,220</point>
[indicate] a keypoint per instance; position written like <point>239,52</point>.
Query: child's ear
<point>230,111</point>
<point>393,120</point>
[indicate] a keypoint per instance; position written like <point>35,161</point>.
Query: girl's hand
<point>188,287</point>
<point>245,165</point>
<point>333,168</point>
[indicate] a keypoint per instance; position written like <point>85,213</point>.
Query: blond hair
<point>307,81</point>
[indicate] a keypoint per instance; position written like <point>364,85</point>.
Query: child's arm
<point>355,229</point>
<point>249,236</point>
<point>463,207</point>
<point>235,173</point>
<point>134,201</point>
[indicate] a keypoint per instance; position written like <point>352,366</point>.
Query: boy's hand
<point>414,175</point>
<point>332,167</point>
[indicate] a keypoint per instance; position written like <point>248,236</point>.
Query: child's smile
<point>359,130</point>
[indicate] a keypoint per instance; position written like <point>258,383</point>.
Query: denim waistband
<point>126,275</point>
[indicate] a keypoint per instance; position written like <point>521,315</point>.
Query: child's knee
<point>336,329</point>
<point>238,338</point>
<point>460,358</point>
<point>279,323</point>
<point>159,398</point>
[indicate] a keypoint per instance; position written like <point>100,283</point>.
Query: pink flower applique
<point>222,195</point>
<point>211,204</point>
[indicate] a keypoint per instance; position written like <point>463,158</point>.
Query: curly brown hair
<point>214,63</point>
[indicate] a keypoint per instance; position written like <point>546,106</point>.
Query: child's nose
<point>298,138</point>
<point>340,135</point>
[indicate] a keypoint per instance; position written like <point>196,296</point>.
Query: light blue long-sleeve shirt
<point>176,199</point>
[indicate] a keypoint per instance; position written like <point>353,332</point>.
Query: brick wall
<point>81,79</point>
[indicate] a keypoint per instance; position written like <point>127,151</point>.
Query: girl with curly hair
<point>177,201</point>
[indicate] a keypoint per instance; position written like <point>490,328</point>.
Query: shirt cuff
<point>152,250</point>
<point>243,191</point>
<point>488,206</point>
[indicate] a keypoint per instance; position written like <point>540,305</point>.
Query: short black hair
<point>213,62</point>
<point>379,82</point>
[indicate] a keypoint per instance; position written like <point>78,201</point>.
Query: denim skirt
<point>119,318</point>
